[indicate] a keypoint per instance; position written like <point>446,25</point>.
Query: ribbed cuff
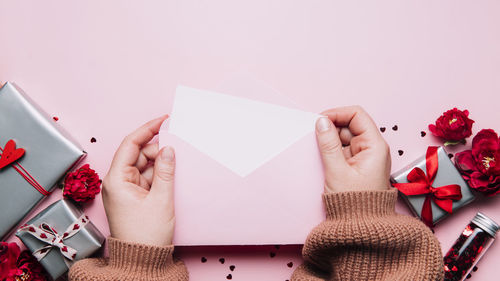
<point>356,204</point>
<point>139,258</point>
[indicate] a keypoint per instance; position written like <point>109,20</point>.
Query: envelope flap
<point>239,133</point>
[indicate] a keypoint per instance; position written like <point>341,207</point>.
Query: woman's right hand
<point>355,155</point>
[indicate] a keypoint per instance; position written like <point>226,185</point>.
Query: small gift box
<point>34,154</point>
<point>432,186</point>
<point>60,235</point>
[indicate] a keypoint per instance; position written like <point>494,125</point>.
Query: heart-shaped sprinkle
<point>92,140</point>
<point>423,133</point>
<point>272,254</point>
<point>203,259</point>
<point>290,264</point>
<point>10,154</point>
<point>382,129</point>
<point>400,152</point>
<point>55,118</point>
<point>222,260</point>
<point>232,267</point>
<point>229,276</point>
<point>395,127</point>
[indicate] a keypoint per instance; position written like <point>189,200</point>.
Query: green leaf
<point>447,143</point>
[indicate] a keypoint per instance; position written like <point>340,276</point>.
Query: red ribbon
<point>9,156</point>
<point>420,183</point>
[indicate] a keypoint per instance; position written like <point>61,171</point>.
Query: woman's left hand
<point>138,196</point>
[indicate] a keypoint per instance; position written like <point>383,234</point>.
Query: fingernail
<point>167,154</point>
<point>323,124</point>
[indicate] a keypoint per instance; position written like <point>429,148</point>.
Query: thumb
<point>163,174</point>
<point>330,146</point>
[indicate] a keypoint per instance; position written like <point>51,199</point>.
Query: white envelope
<point>248,172</point>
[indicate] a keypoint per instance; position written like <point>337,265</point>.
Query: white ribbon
<point>49,235</point>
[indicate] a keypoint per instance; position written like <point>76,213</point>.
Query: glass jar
<point>473,242</point>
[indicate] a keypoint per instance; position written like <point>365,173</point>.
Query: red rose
<point>478,166</point>
<point>31,269</point>
<point>15,265</point>
<point>454,126</point>
<point>9,252</point>
<point>82,185</point>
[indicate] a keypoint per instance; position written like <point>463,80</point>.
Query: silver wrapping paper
<point>50,152</point>
<point>446,174</point>
<point>60,215</point>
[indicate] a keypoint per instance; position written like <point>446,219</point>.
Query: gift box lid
<point>447,174</point>
<point>60,215</point>
<point>49,153</point>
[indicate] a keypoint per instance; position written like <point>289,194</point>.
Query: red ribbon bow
<point>9,156</point>
<point>420,183</point>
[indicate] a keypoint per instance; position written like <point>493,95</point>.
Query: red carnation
<point>15,265</point>
<point>82,185</point>
<point>478,166</point>
<point>453,126</point>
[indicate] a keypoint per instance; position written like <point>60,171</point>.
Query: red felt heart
<point>10,154</point>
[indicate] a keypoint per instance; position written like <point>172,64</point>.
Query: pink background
<point>105,67</point>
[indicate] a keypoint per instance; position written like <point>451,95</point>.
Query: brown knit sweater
<point>362,238</point>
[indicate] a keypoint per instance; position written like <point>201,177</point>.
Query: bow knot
<point>47,234</point>
<point>421,183</point>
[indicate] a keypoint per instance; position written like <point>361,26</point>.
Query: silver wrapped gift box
<point>447,174</point>
<point>49,154</point>
<point>60,217</point>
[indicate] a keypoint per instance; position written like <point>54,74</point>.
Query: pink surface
<point>105,67</point>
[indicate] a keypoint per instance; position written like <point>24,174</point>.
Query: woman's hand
<point>354,154</point>
<point>138,196</point>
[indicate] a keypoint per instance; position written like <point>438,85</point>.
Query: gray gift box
<point>49,154</point>
<point>60,215</point>
<point>447,174</point>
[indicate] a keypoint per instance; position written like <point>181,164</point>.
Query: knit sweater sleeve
<point>363,238</point>
<point>130,261</point>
